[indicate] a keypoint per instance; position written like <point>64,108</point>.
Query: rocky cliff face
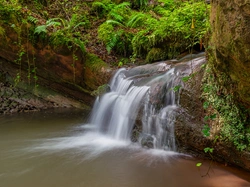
<point>72,75</point>
<point>226,82</point>
<point>230,43</point>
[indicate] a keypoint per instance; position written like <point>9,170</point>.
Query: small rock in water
<point>147,141</point>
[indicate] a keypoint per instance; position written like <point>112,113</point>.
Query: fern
<point>53,22</point>
<point>116,16</point>
<point>113,22</point>
<point>43,28</point>
<point>140,3</point>
<point>123,5</point>
<point>119,12</point>
<point>105,31</point>
<point>136,20</point>
<point>40,29</point>
<point>99,6</point>
<point>112,43</point>
<point>102,8</point>
<point>79,24</point>
<point>32,20</point>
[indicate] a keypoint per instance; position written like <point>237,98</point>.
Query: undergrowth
<point>232,118</point>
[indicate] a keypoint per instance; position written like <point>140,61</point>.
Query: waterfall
<point>146,97</point>
<point>115,113</point>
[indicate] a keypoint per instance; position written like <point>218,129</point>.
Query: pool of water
<point>57,148</point>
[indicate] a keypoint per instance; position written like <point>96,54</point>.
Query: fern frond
<point>53,22</point>
<point>143,3</point>
<point>111,44</point>
<point>136,20</point>
<point>79,24</point>
<point>116,16</point>
<point>40,29</point>
<point>113,22</point>
<point>123,5</point>
<point>79,43</point>
<point>33,20</point>
<point>72,21</point>
<point>97,5</point>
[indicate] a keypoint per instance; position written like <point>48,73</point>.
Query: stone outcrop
<point>41,67</point>
<point>189,125</point>
<point>230,43</point>
<point>228,81</point>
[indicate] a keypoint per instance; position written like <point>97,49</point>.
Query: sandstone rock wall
<point>58,69</point>
<point>230,43</point>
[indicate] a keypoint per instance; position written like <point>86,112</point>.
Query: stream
<point>58,148</point>
<point>127,140</point>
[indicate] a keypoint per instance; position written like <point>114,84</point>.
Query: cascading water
<point>115,113</point>
<point>148,94</point>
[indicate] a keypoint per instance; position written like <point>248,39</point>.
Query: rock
<point>230,39</point>
<point>147,141</point>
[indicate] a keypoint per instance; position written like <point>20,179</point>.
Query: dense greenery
<point>158,32</point>
<point>131,29</point>
<point>231,117</point>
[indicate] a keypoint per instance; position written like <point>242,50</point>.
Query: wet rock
<point>147,141</point>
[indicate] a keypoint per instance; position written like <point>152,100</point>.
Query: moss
<point>100,90</point>
<point>95,72</point>
<point>2,31</point>
<point>155,54</point>
<point>94,62</point>
<point>218,93</point>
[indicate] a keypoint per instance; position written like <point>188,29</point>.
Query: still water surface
<point>57,149</point>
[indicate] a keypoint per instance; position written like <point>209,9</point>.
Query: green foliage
<point>176,88</point>
<point>100,90</point>
<point>232,118</point>
<point>94,62</point>
<point>167,27</point>
<point>213,116</point>
<point>155,54</point>
<point>105,32</point>
<point>139,4</point>
<point>64,32</point>
<point>205,105</point>
<point>206,130</point>
<point>199,164</point>
<point>32,20</point>
<point>40,29</point>
<point>185,79</point>
<point>136,20</point>
<point>171,29</point>
<point>208,150</point>
<point>113,33</point>
<point>102,8</point>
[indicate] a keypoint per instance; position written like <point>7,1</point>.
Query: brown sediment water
<point>57,148</point>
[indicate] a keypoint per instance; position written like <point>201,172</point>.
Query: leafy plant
<point>185,79</point>
<point>176,88</point>
<point>206,130</point>
<point>32,20</point>
<point>232,119</point>
<point>208,150</point>
<point>136,20</point>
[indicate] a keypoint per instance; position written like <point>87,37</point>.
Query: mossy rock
<point>96,72</point>
<point>155,54</point>
<point>94,62</point>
